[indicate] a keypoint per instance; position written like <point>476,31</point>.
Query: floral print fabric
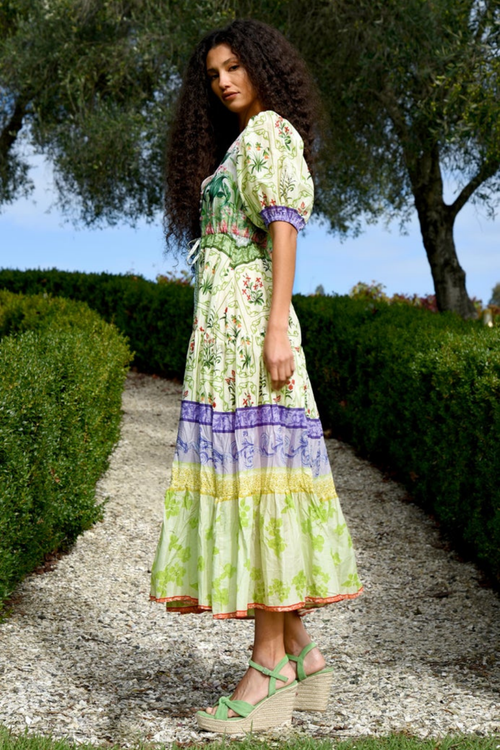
<point>251,517</point>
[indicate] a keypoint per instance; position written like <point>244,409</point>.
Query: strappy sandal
<point>269,712</point>
<point>314,689</point>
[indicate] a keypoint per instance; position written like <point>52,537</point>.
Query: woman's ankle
<point>296,637</point>
<point>267,656</point>
<point>295,647</point>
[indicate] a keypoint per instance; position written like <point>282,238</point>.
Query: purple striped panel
<point>250,416</point>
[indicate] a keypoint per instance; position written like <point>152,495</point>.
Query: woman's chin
<point>233,106</point>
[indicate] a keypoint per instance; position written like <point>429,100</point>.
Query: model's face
<point>230,82</point>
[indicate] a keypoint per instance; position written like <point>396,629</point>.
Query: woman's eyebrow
<point>224,63</point>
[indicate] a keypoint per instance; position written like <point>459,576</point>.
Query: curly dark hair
<point>203,129</point>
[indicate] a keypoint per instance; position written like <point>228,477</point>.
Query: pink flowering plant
<point>374,292</point>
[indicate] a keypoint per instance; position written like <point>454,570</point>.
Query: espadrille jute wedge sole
<point>313,693</point>
<point>270,712</point>
<point>313,690</point>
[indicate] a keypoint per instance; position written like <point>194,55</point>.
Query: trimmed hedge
<point>157,318</point>
<point>62,370</point>
<point>417,392</point>
<point>410,389</point>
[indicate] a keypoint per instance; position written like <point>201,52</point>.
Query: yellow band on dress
<point>236,486</point>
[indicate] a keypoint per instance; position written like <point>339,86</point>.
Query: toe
<point>212,709</point>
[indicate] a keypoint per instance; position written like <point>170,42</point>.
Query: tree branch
<point>10,132</point>
<point>388,98</point>
<point>486,171</point>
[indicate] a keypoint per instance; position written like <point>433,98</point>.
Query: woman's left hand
<point>278,357</point>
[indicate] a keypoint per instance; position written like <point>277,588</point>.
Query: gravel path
<point>85,655</point>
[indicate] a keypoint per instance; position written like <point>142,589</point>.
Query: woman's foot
<point>296,638</point>
<point>254,686</point>
<point>313,661</point>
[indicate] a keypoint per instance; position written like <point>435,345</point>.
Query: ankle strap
<point>300,659</point>
<point>274,674</point>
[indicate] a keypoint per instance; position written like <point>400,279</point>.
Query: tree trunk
<point>436,224</point>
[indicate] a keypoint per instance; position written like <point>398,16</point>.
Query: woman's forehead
<point>220,55</point>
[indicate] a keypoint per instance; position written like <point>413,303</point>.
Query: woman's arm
<point>277,352</point>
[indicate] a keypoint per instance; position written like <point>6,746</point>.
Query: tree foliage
<point>92,83</point>
<point>411,91</point>
<point>495,295</point>
<point>400,80</point>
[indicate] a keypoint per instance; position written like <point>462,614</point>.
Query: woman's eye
<point>213,76</point>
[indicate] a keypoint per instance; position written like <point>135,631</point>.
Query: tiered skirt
<point>251,518</point>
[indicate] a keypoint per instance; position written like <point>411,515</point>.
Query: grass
<point>394,741</point>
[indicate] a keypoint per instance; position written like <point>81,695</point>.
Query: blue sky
<point>33,234</point>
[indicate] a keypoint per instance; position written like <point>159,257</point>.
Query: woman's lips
<point>229,96</point>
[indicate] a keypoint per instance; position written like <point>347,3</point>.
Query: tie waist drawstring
<point>193,264</point>
<point>193,250</point>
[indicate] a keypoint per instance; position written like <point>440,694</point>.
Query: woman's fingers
<point>278,384</point>
<point>278,358</point>
<point>281,374</point>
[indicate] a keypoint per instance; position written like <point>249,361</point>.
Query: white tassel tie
<point>193,250</point>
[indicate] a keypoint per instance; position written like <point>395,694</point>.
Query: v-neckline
<point>207,179</point>
<point>210,176</point>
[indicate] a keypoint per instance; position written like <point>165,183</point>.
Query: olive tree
<point>412,93</point>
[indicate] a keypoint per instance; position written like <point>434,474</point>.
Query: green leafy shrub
<point>489,314</point>
<point>419,393</point>
<point>62,370</point>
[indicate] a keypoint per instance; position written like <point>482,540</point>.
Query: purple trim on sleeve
<point>282,213</point>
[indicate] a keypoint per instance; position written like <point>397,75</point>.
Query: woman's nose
<point>223,80</point>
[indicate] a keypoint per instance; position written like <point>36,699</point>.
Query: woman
<point>252,524</point>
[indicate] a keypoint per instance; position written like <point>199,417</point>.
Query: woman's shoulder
<point>275,126</point>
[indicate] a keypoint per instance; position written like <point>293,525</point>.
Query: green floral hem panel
<point>279,551</point>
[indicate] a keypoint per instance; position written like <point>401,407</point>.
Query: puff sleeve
<point>273,178</point>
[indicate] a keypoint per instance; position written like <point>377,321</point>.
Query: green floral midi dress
<point>251,516</point>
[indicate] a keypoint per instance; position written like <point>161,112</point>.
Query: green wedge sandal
<point>270,712</point>
<point>314,689</point>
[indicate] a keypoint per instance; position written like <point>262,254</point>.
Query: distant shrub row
<point>414,391</point>
<point>157,318</point>
<point>62,370</point>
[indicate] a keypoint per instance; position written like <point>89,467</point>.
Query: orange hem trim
<point>310,603</point>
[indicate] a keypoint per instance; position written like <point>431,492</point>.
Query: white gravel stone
<point>85,655</point>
